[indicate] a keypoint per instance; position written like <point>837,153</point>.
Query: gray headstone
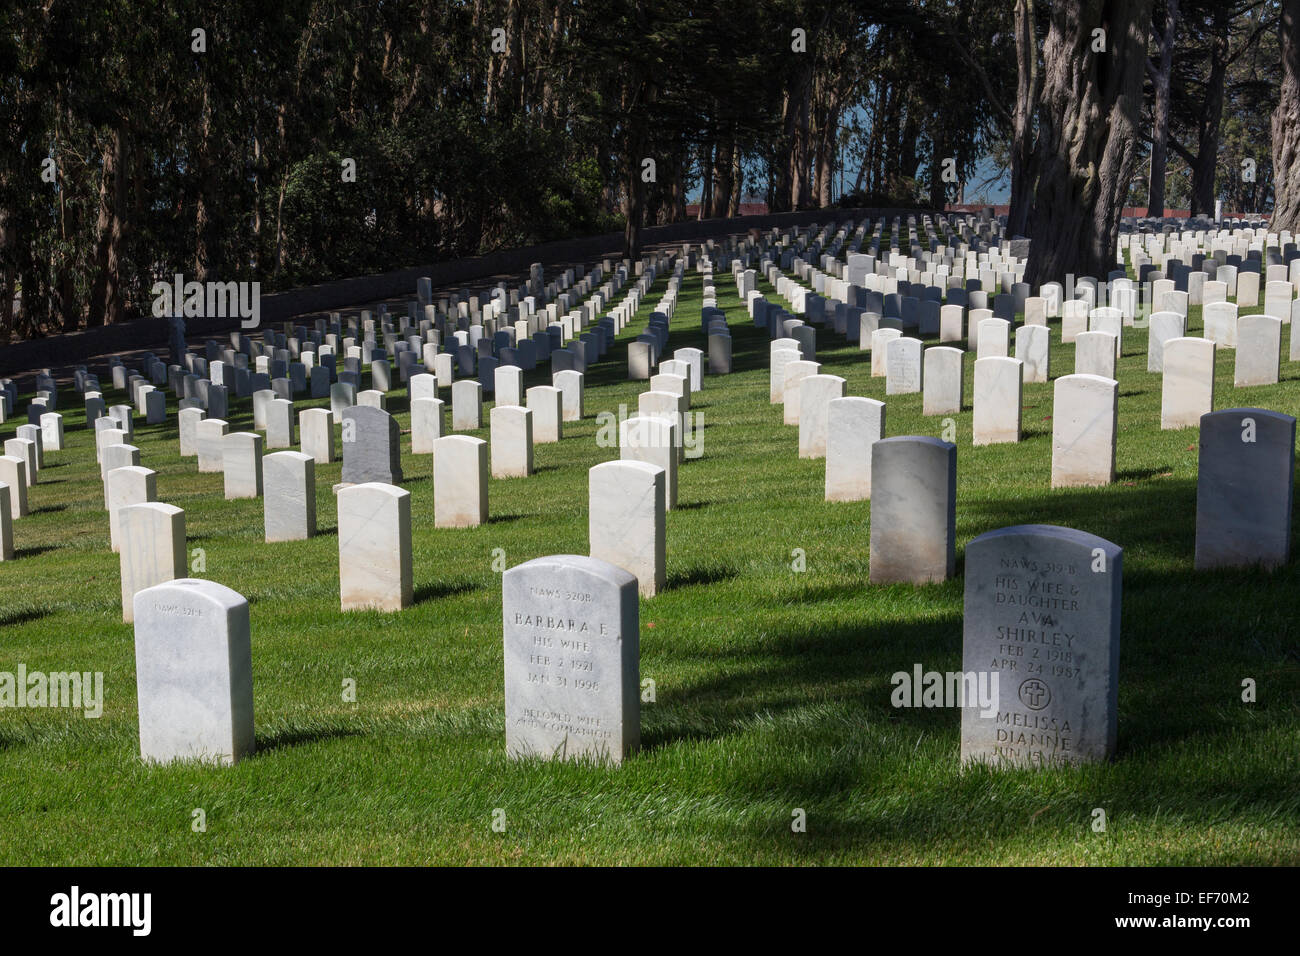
<point>1245,488</point>
<point>913,510</point>
<point>1042,612</point>
<point>371,446</point>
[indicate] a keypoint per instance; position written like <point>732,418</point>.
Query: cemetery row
<point>1042,603</point>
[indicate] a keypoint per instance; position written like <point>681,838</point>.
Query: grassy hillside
<point>772,687</point>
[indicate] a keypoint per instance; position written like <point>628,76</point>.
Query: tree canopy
<point>307,140</point>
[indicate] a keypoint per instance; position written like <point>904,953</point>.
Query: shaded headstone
<point>371,446</point>
<point>913,516</point>
<point>1042,612</point>
<point>6,525</point>
<point>1245,488</point>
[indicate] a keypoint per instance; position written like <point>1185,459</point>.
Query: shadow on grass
<point>297,737</point>
<point>34,551</point>
<point>442,589</point>
<point>11,740</point>
<point>690,505</point>
<point>801,666</point>
<point>1186,639</point>
<point>1157,516</point>
<point>1139,474</point>
<point>702,574</point>
<point>14,617</point>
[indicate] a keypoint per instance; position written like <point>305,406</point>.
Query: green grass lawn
<point>772,687</point>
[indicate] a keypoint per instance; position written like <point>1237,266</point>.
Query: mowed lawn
<point>772,687</point>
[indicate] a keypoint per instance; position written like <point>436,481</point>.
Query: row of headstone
<point>1041,625</point>
<point>1064,714</point>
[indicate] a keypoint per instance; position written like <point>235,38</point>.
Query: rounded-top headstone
<point>572,659</point>
<point>194,672</point>
<point>913,510</point>
<point>1245,488</point>
<point>1042,613</point>
<point>371,446</point>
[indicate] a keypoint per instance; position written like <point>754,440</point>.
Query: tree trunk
<point>906,156</point>
<point>1207,152</point>
<point>721,180</point>
<point>784,165</point>
<point>737,182</point>
<point>1286,126</point>
<point>679,196</point>
<point>938,188</point>
<point>800,158</point>
<point>257,204</point>
<point>633,211</point>
<point>1160,112</point>
<point>114,306</point>
<point>706,179</point>
<point>201,218</point>
<point>886,116</point>
<point>282,134</point>
<point>1028,82</point>
<point>1087,132</point>
<point>826,153</point>
<point>105,296</point>
<point>7,273</point>
<point>65,285</point>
